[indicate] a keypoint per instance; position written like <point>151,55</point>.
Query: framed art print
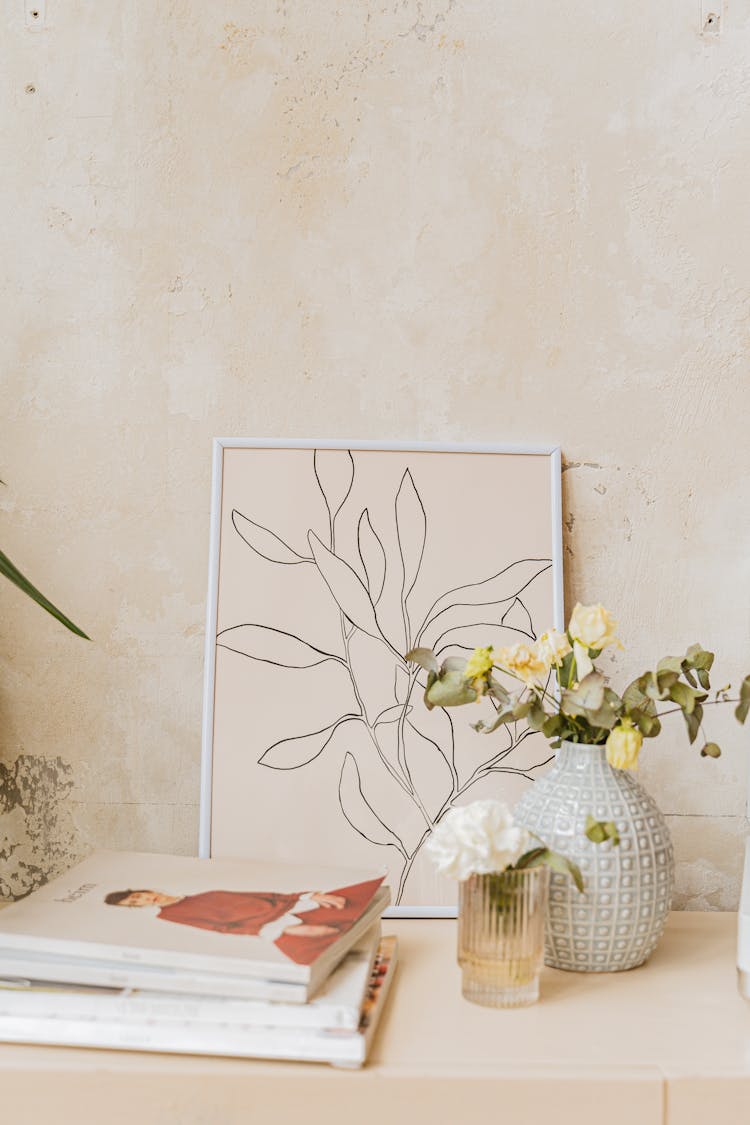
<point>329,560</point>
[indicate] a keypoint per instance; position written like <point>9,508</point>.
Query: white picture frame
<point>224,768</point>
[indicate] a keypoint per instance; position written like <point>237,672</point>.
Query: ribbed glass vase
<point>501,936</point>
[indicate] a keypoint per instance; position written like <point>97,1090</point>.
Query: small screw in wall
<point>30,89</point>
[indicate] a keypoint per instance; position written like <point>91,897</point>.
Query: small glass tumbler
<point>501,936</point>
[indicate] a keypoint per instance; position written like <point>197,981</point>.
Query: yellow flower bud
<point>623,745</point>
<point>479,663</point>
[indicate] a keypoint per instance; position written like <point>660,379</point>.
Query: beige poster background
<point>332,564</point>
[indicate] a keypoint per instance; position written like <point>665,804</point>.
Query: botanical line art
<point>400,771</point>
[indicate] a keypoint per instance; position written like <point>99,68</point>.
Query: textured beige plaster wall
<point>438,220</point>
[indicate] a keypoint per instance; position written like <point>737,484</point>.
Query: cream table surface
<point>666,1044</point>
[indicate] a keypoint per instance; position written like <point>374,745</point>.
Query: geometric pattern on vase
<point>618,920</point>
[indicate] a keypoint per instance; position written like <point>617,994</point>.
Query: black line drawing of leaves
<point>504,586</point>
<point>466,637</point>
<point>347,589</point>
<point>391,714</point>
<point>272,646</point>
<point>372,554</point>
<point>293,753</point>
<point>411,531</point>
<point>358,810</point>
<point>428,767</point>
<point>400,684</point>
<point>518,617</point>
<point>334,472</point>
<point>430,774</point>
<point>264,542</point>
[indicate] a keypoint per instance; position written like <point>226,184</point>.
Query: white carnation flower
<point>477,839</point>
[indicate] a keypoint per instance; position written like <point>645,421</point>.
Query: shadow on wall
<point>37,833</point>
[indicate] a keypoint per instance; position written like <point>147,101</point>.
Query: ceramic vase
<point>616,923</point>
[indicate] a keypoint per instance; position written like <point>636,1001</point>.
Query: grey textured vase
<point>620,917</point>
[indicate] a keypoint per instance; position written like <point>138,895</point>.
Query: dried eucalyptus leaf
<point>693,722</point>
<point>588,696</point>
<point>450,689</point>
<point>599,831</point>
<point>483,727</point>
<point>424,657</point>
<point>699,657</point>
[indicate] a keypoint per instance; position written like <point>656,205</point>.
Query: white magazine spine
<point>174,1038</point>
<point>75,972</point>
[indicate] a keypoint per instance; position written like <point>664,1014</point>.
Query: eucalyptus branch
<point>707,703</point>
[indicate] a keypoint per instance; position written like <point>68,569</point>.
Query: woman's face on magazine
<point>145,898</point>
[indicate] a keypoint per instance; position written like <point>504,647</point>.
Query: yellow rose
<point>524,662</point>
<point>592,626</point>
<point>623,746</point>
<point>552,648</point>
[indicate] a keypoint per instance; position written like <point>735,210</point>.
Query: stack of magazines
<point>221,957</point>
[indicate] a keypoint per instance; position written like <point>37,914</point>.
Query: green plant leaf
<point>545,857</point>
<point>564,866</point>
<point>537,716</point>
<point>635,698</point>
<point>497,691</point>
<point>564,671</point>
<point>693,722</point>
<point>503,717</point>
<point>670,664</point>
<point>599,831</point>
<point>699,657</point>
<point>653,689</point>
<point>647,724</point>
<point>711,750</point>
<point>743,707</point>
<point>604,717</point>
<point>13,574</point>
<point>532,858</point>
<point>553,726</point>
<point>450,689</point>
<point>666,680</point>
<point>588,696</point>
<point>686,697</point>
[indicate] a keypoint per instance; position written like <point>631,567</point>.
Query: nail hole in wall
<point>30,89</point>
